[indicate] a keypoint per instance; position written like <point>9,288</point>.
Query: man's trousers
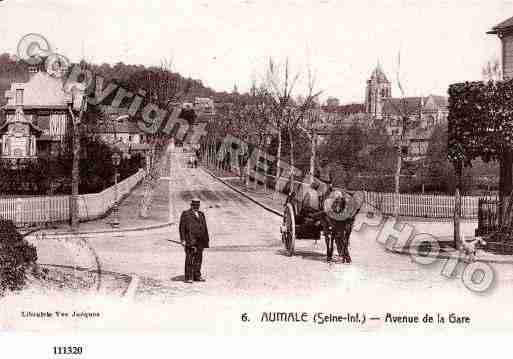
<point>193,260</point>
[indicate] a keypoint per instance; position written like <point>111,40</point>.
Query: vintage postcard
<point>256,167</point>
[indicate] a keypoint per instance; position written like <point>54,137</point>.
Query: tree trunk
<point>278,155</point>
<point>278,170</point>
<point>313,153</point>
<point>292,162</point>
<point>150,182</point>
<point>458,167</point>
<point>75,176</point>
<point>397,179</point>
<point>505,182</point>
<point>457,216</point>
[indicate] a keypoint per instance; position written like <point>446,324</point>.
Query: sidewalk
<point>444,253</point>
<point>129,219</point>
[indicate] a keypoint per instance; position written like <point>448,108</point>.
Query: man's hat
<point>195,200</point>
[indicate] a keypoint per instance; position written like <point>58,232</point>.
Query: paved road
<point>246,267</point>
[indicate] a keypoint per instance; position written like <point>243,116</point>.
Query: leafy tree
<point>351,151</point>
<point>438,173</point>
<point>479,126</point>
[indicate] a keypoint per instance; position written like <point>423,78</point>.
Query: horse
<point>334,221</point>
<point>337,229</point>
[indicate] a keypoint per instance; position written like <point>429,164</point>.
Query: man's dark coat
<point>193,230</point>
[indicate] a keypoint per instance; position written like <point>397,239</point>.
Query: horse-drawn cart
<point>333,221</point>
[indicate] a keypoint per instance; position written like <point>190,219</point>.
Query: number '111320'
<point>67,350</point>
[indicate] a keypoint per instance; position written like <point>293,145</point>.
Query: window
<point>431,121</point>
<point>19,97</point>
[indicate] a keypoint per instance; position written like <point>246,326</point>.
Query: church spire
<point>378,65</point>
<point>377,91</point>
<point>378,74</point>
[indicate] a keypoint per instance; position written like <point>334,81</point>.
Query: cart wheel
<point>288,235</point>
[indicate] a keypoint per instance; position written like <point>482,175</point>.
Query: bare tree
<point>167,91</point>
<point>405,114</point>
<point>292,115</point>
<point>310,119</point>
<point>279,92</point>
<point>492,71</point>
<point>261,118</point>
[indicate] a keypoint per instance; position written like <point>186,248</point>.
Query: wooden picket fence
<point>410,205</point>
<point>419,205</point>
<point>26,211</point>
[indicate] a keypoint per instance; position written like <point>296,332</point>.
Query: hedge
<point>16,257</point>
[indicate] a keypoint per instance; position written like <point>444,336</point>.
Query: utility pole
<point>173,169</point>
<point>78,104</point>
<point>116,160</point>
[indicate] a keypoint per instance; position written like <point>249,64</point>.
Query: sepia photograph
<point>327,167</point>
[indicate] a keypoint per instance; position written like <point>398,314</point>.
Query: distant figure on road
<point>194,235</point>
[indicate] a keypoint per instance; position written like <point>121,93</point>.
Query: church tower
<point>378,88</point>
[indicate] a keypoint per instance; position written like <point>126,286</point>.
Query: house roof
<point>125,126</point>
<point>395,106</point>
<point>345,109</point>
<point>501,27</point>
<point>38,107</point>
<point>441,101</point>
<point>41,90</point>
<point>413,105</point>
<point>112,123</point>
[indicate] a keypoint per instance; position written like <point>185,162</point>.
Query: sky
<point>227,43</point>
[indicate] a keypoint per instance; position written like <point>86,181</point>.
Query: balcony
<point>18,161</point>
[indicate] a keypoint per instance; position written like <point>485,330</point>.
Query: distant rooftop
<point>345,109</point>
<point>504,26</point>
<point>412,105</point>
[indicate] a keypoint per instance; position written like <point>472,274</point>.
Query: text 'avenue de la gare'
<point>362,318</point>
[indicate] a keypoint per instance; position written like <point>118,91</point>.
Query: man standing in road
<point>194,235</point>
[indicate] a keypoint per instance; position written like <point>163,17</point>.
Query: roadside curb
<point>131,279</point>
<point>112,231</point>
<point>451,255</point>
<point>272,210</point>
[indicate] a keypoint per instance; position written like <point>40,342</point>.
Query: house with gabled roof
<point>504,31</point>
<point>37,120</point>
<point>118,129</point>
